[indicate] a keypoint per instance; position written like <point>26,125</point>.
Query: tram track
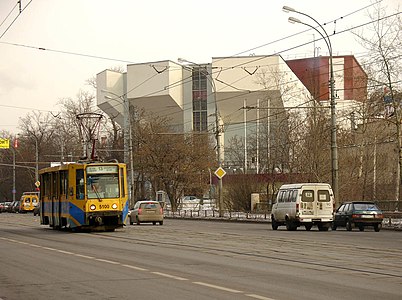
<point>266,250</point>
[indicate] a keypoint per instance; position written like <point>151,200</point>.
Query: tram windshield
<point>102,182</point>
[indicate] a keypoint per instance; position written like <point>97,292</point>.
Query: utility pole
<point>334,147</point>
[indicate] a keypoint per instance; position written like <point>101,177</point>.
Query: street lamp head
<point>294,20</point>
<point>288,9</point>
<point>108,97</point>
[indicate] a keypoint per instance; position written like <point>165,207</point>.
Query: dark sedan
<point>358,214</point>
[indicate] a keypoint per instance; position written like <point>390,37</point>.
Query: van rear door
<point>307,207</point>
<point>324,205</point>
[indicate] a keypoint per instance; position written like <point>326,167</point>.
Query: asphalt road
<point>186,259</point>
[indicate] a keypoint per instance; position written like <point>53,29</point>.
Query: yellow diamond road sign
<point>220,172</point>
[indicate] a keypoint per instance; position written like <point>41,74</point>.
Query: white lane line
<point>134,267</point>
<point>65,252</point>
<point>258,297</point>
<point>141,269</point>
<point>217,287</point>
<point>107,261</point>
<point>24,243</point>
<point>84,256</point>
<point>48,248</point>
<point>169,276</point>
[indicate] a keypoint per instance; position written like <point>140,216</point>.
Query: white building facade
<point>238,96</point>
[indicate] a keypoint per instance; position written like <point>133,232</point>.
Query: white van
<point>304,204</point>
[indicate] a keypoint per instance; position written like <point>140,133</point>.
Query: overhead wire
<point>20,12</point>
<point>239,65</point>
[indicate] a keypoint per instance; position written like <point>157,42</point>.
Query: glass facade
<point>200,97</point>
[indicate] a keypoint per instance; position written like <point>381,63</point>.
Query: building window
<point>200,96</point>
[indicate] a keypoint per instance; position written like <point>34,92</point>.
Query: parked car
<point>15,206</point>
<point>146,211</point>
<point>358,214</point>
<point>189,203</point>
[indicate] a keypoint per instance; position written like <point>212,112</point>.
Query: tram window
<point>102,186</point>
<point>63,182</point>
<point>123,188</point>
<point>79,182</point>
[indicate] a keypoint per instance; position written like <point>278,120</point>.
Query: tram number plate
<point>104,206</point>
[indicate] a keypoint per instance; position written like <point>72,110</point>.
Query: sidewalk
<point>389,223</point>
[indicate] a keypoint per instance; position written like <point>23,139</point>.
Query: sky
<point>83,37</point>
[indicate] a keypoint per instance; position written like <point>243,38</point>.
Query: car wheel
<point>348,225</point>
<point>161,223</point>
<point>153,223</point>
<point>308,226</point>
<point>377,227</point>
<point>361,227</point>
<point>274,223</point>
<point>333,226</point>
<point>290,226</point>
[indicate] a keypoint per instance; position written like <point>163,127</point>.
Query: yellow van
<point>29,200</point>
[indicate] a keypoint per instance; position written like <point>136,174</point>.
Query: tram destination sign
<point>102,169</point>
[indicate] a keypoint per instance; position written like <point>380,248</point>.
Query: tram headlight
<point>92,207</point>
<point>114,205</point>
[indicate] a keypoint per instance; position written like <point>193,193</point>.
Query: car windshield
<point>365,206</point>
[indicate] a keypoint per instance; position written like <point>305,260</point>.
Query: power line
<point>20,12</point>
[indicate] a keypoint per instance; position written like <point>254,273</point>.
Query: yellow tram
<point>85,195</point>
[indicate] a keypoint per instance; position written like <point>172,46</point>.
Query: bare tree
<point>383,40</point>
<point>174,162</point>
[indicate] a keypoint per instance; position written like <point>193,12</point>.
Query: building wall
<point>314,72</point>
<point>234,87</point>
<point>109,86</point>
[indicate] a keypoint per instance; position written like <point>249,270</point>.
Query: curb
<point>236,220</point>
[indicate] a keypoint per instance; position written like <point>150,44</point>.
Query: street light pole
<point>128,143</point>
<point>217,133</point>
<point>13,191</point>
<point>36,160</point>
<point>334,147</point>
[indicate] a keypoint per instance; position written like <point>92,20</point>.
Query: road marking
<point>107,261</point>
<point>140,269</point>
<point>169,276</point>
<point>48,248</point>
<point>65,252</point>
<point>84,256</point>
<point>217,287</point>
<point>258,297</point>
<point>24,243</point>
<point>135,268</point>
